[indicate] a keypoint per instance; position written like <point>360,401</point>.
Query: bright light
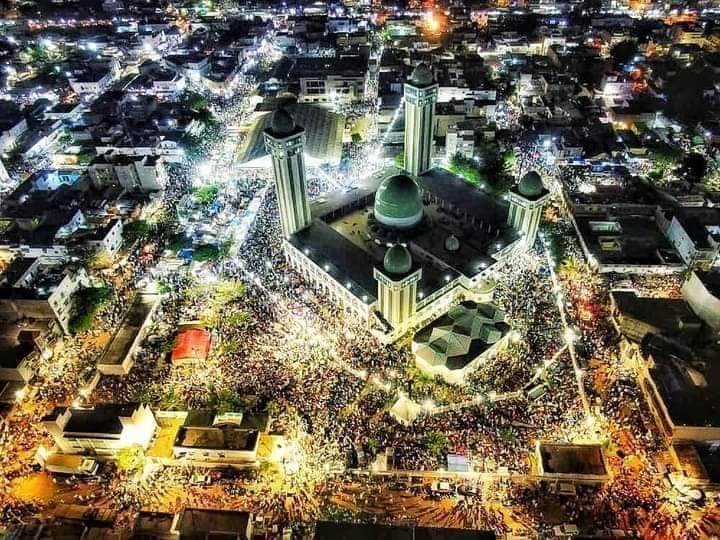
<point>432,24</point>
<point>205,169</point>
<point>429,405</point>
<point>570,336</point>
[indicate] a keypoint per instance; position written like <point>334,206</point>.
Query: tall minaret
<point>285,141</point>
<point>397,286</point>
<point>4,176</point>
<point>420,97</point>
<point>526,205</point>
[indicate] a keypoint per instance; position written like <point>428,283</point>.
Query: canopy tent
<point>405,410</point>
<point>192,345</point>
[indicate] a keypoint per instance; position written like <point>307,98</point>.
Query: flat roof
<point>101,419</point>
<point>350,264</point>
<point>687,382</point>
<point>573,459</point>
<point>463,196</point>
<point>330,530</point>
<point>637,240</point>
<point>226,437</point>
<point>119,347</point>
<point>668,315</point>
<point>193,521</point>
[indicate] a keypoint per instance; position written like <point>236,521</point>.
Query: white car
<point>566,530</point>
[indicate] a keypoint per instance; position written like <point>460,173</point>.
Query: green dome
<point>398,203</point>
<point>531,185</point>
<point>282,122</point>
<point>397,260</point>
<point>421,75</point>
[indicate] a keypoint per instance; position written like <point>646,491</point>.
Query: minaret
<point>285,141</point>
<point>420,97</point>
<point>4,176</point>
<point>397,286</point>
<point>527,201</point>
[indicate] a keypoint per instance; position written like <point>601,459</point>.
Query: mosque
<point>402,247</point>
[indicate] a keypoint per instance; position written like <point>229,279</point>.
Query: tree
<point>623,52</point>
<point>208,252</point>
<point>206,195</point>
<point>508,435</point>
<point>693,167</point>
<point>85,157</point>
<point>356,137</point>
<point>466,168</point>
<point>685,93</point>
<point>436,443</point>
<point>137,230</point>
<point>86,304</point>
<point>130,458</point>
<point>193,100</point>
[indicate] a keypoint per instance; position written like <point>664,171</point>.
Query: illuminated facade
<point>420,96</point>
<point>285,142</point>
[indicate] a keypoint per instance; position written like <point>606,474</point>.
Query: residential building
<point>102,430</point>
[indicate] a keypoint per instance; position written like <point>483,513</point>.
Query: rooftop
<point>196,523</point>
<point>99,421</point>
<point>687,381</point>
<point>326,530</point>
<point>573,459</point>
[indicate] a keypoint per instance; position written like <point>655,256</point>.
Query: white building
<point>143,173</point>
<point>460,139</point>
<point>102,430</point>
<point>36,288</point>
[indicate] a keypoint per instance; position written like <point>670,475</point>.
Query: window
<point>605,226</point>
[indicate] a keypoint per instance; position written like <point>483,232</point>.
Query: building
<point>285,141</point>
<point>574,462</point>
<point>35,288</point>
<point>134,173</point>
<point>457,343</point>
<point>331,530</point>
<point>106,237</point>
<point>527,201</point>
<point>628,241</point>
<point>102,430</point>
<point>680,385</point>
<point>420,96</point>
<point>94,78</point>
<point>694,233</point>
<point>444,235</point>
<point>460,139</point>
<point>118,357</point>
<point>330,80</point>
<point>701,290</point>
<point>212,438</point>
<point>323,133</point>
<point>195,523</point>
<point>397,286</point>
<point>639,317</point>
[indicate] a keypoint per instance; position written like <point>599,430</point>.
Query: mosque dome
<point>421,75</point>
<point>452,243</point>
<point>531,185</point>
<point>398,203</point>
<point>282,122</point>
<point>397,260</point>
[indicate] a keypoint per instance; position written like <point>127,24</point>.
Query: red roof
<point>191,345</point>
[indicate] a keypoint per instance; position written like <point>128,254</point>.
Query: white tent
<point>405,410</point>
